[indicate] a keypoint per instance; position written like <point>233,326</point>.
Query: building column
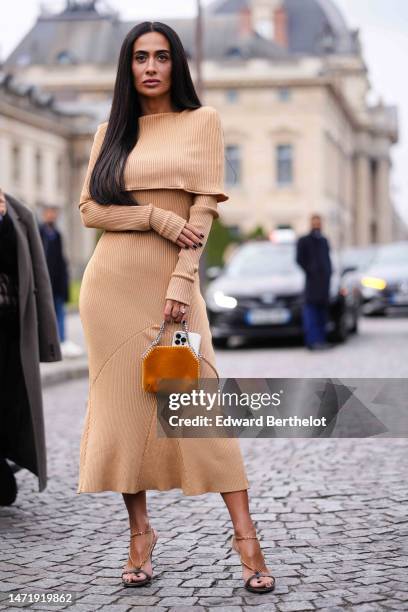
<point>363,200</point>
<point>383,209</point>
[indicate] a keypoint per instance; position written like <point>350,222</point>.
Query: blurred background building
<point>288,78</point>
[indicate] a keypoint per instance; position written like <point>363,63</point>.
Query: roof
<point>31,95</point>
<point>317,27</point>
<point>314,27</point>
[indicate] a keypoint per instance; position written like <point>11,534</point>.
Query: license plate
<point>400,298</point>
<point>277,316</point>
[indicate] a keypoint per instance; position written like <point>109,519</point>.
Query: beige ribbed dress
<point>176,170</point>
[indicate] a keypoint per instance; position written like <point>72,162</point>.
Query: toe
<point>261,581</point>
<point>129,577</point>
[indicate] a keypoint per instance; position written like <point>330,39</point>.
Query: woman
<point>153,182</point>
<point>28,335</point>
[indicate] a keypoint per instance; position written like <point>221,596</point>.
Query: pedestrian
<point>153,182</point>
<point>313,256</point>
<point>58,270</point>
<point>28,335</point>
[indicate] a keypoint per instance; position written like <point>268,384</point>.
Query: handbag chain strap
<point>156,341</point>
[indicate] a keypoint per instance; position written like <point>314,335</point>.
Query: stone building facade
<point>289,80</point>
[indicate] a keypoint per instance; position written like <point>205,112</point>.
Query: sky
<point>383,26</point>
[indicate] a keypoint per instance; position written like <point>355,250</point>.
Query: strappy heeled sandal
<point>137,569</point>
<point>257,572</point>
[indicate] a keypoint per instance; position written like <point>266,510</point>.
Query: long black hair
<point>107,181</point>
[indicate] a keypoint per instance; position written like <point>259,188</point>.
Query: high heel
<point>137,569</point>
<point>257,572</point>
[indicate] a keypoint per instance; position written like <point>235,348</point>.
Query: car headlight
<point>372,282</point>
<point>220,300</point>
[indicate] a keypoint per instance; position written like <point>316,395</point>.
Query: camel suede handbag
<point>177,368</point>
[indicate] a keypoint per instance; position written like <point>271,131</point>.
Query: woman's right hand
<point>190,237</point>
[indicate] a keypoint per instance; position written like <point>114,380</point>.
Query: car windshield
<point>358,258</point>
<point>392,254</point>
<point>263,260</point>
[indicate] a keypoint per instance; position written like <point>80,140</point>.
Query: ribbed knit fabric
<point>176,174</point>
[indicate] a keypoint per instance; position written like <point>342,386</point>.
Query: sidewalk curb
<point>54,374</point>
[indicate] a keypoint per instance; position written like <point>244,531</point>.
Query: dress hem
<point>186,493</point>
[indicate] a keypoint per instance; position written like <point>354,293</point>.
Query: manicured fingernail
<point>195,246</point>
<point>200,243</point>
<point>202,235</point>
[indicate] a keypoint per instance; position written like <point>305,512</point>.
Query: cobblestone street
<point>331,513</point>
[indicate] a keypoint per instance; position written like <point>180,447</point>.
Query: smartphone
<point>180,339</point>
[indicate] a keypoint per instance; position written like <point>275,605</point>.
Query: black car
<point>384,282</point>
<point>259,294</point>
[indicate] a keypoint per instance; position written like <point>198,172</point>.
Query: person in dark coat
<point>26,338</point>
<point>313,256</point>
<point>57,265</point>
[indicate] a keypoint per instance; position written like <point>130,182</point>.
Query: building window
<point>264,27</point>
<point>38,169</point>
<point>233,165</point>
<point>284,164</point>
<point>232,95</point>
<point>284,94</point>
<point>23,60</point>
<point>65,57</point>
<point>60,173</point>
<point>16,163</point>
<point>233,52</point>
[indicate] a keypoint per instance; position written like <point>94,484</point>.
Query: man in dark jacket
<point>58,271</point>
<point>313,256</point>
<point>57,266</point>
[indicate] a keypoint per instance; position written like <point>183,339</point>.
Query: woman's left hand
<point>175,311</point>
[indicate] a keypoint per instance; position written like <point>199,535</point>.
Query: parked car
<point>356,259</point>
<point>384,282</point>
<point>259,294</point>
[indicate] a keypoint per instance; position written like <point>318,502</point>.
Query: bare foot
<point>139,545</point>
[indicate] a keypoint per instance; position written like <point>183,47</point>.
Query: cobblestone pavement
<point>379,349</point>
<point>332,515</point>
<point>381,346</point>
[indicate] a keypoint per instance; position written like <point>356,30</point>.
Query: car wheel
<point>376,313</point>
<point>354,329</point>
<point>340,331</point>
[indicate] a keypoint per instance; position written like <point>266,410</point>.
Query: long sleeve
<point>49,344</point>
<point>119,218</point>
<point>301,259</point>
<point>202,213</point>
